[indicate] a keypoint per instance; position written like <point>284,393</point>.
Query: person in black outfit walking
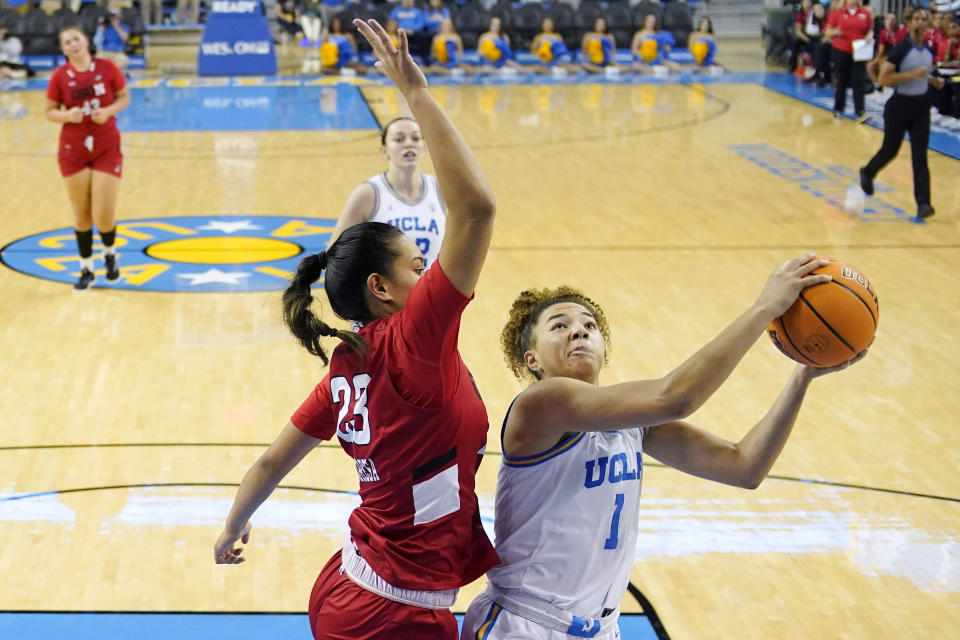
<point>907,68</point>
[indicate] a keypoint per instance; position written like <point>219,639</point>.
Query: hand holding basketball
<point>815,372</point>
<point>394,62</point>
<point>787,281</point>
<point>830,324</point>
<point>223,549</point>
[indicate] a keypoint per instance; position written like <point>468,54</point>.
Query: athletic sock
<point>85,242</point>
<point>85,246</point>
<point>108,238</point>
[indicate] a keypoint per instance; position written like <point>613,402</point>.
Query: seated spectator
<point>328,9</point>
<point>549,47</point>
<point>11,64</point>
<point>311,23</point>
<point>886,40</point>
<point>435,14</point>
<point>494,50</point>
<point>111,40</point>
<point>935,34</point>
<point>650,47</point>
<point>597,48</point>
<point>808,28</point>
<point>947,56</point>
<point>288,17</point>
<point>446,51</point>
<point>703,46</point>
<point>412,20</point>
<point>339,50</point>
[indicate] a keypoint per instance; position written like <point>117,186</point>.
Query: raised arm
<point>290,447</point>
<point>356,209</point>
<point>556,406</point>
<point>470,202</point>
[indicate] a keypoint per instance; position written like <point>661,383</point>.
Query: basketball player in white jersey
<point>568,490</point>
<point>401,196</point>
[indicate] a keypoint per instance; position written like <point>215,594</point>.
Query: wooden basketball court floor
<point>129,416</point>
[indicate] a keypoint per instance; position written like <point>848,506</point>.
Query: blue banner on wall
<point>236,41</point>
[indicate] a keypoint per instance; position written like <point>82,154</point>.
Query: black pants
<point>901,114</point>
<point>848,73</point>
<point>821,58</point>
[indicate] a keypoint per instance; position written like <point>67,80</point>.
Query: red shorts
<point>340,609</point>
<point>94,152</point>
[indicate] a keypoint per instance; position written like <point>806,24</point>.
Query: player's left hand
<point>99,116</point>
<point>223,549</point>
<point>814,372</point>
<point>937,82</point>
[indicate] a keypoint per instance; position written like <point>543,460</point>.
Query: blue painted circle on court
<point>200,254</point>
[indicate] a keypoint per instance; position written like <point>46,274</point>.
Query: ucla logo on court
<point>200,254</point>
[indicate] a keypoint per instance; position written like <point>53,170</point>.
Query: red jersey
<point>888,38</point>
<point>947,51</point>
<point>902,33</point>
<point>412,419</point>
<point>933,38</point>
<point>92,89</point>
<point>853,25</point>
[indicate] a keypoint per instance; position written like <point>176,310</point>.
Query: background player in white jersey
<point>401,196</point>
<point>568,491</point>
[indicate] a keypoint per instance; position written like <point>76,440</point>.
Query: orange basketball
<point>830,323</point>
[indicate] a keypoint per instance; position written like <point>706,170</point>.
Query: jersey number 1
<point>614,539</point>
<point>346,396</point>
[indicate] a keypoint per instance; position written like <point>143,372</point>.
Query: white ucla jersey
<point>423,220</point>
<point>567,520</point>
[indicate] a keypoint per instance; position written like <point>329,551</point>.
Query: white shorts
<point>486,620</point>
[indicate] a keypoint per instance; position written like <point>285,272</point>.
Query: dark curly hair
<point>517,335</point>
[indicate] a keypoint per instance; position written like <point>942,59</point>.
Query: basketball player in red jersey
<point>84,95</point>
<point>399,399</point>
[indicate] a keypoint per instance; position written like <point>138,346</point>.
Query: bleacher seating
<point>678,20</point>
<point>620,23</point>
<point>521,22</point>
<point>526,25</point>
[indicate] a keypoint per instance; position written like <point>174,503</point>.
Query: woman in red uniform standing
<point>844,26</point>
<point>84,95</point>
<point>399,399</point>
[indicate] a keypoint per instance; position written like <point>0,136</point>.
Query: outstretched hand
<point>394,62</point>
<point>223,549</point>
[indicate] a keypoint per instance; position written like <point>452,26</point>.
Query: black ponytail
<point>306,327</point>
<point>366,248</point>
